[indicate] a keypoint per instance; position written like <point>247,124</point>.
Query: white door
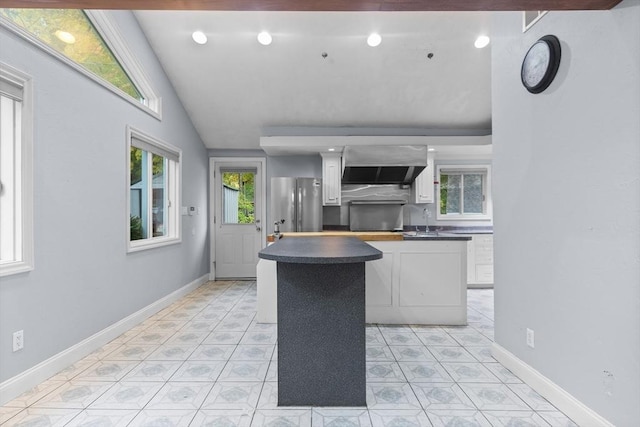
<point>237,188</point>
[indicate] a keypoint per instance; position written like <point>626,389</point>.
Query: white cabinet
<point>480,261</point>
<point>331,179</point>
<point>266,274</point>
<point>423,190</point>
<point>417,282</point>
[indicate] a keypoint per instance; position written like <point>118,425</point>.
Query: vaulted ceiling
<point>425,77</point>
<point>319,75</point>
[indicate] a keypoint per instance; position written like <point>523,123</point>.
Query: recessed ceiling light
<point>265,38</point>
<point>374,39</point>
<point>431,149</point>
<point>66,37</point>
<point>332,149</point>
<point>199,37</point>
<point>482,41</point>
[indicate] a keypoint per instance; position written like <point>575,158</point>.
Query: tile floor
<point>204,361</point>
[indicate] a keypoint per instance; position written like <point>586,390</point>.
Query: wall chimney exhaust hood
<point>383,164</point>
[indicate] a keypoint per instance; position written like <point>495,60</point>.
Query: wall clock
<point>541,64</point>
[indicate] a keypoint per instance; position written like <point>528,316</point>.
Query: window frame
<point>485,170</point>
<point>114,40</point>
<point>25,172</point>
<point>239,171</point>
<point>173,188</point>
<point>528,23</point>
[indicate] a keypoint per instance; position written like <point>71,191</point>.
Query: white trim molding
<point>483,169</point>
<point>107,29</point>
<point>23,169</point>
<point>116,42</point>
<point>173,219</point>
<point>14,387</point>
<point>213,161</point>
<point>561,399</point>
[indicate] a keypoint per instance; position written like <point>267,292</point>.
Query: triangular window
<point>71,33</point>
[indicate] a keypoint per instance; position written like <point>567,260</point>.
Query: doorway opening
<point>237,187</point>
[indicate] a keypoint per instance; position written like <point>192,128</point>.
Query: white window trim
<point>26,262</point>
<point>526,25</point>
<point>116,43</point>
<point>487,216</point>
<point>174,219</point>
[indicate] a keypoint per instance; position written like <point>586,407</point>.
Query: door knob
<point>258,228</point>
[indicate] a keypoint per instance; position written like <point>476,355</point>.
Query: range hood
<point>383,164</point>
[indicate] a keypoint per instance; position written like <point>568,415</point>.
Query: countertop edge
<point>439,238</point>
<point>310,250</point>
<point>381,237</point>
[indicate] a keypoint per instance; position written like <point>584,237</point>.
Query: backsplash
<point>338,216</point>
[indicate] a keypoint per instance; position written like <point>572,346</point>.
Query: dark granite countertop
<point>328,250</point>
<point>435,236</point>
<point>452,229</point>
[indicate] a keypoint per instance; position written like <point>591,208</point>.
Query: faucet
<point>276,229</point>
<point>426,213</point>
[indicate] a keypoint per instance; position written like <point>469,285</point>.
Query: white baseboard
<point>15,386</point>
<point>572,407</point>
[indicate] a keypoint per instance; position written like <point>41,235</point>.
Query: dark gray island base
<point>321,320</point>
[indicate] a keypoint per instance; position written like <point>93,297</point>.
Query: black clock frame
<point>554,64</point>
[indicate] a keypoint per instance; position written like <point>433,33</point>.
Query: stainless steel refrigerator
<point>297,201</point>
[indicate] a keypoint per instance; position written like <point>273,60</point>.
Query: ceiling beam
<point>318,5</point>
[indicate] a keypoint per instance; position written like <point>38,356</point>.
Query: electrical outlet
<point>18,340</point>
<point>530,338</point>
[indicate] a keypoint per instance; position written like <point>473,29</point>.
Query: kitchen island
<point>420,279</point>
<point>321,320</point>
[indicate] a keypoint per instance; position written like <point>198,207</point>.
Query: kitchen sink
<point>420,233</point>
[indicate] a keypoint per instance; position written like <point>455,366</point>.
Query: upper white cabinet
<point>331,179</point>
<point>423,190</point>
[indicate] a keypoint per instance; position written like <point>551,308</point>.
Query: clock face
<point>535,64</point>
<point>541,64</point>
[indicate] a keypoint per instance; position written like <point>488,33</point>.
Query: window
<point>238,200</point>
<point>530,17</point>
<point>154,175</point>
<point>88,41</point>
<point>16,172</point>
<point>465,192</point>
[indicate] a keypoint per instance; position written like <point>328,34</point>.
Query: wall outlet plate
<point>18,340</point>
<point>530,338</point>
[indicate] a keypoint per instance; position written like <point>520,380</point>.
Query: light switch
<point>184,210</point>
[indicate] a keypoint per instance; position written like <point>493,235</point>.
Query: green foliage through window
<point>461,193</point>
<point>242,183</point>
<point>71,33</point>
<point>136,165</point>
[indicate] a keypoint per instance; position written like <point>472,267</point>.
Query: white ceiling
<point>236,90</point>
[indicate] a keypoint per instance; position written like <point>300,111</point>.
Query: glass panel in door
<point>238,197</point>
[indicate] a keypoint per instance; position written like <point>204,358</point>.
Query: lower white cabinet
<point>480,261</point>
<point>415,282</point>
<point>267,287</point>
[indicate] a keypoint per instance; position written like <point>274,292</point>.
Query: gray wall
<point>84,281</point>
<point>566,169</point>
